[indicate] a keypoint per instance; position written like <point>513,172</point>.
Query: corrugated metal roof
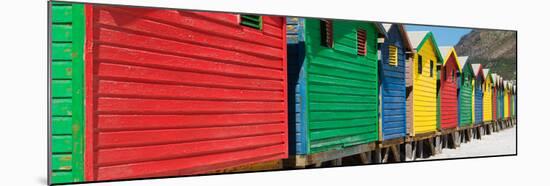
<point>462,61</point>
<point>416,37</point>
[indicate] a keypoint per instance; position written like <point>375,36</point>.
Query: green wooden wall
<point>341,86</point>
<point>67,43</point>
<point>466,96</point>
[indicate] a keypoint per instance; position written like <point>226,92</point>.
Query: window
<point>392,50</point>
<point>252,21</point>
<point>361,42</point>
<point>419,64</point>
<point>326,33</point>
<point>431,68</point>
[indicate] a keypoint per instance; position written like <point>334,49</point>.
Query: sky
<point>444,36</point>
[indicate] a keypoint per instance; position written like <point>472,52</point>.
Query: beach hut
<point>333,76</point>
<point>515,100</point>
<point>448,92</point>
<point>500,100</point>
<point>395,52</point>
<point>478,93</point>
<point>465,91</point>
<point>424,77</point>
<point>506,99</point>
<point>176,92</point>
<point>494,105</point>
<point>487,96</point>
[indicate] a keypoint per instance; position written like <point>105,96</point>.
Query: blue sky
<point>445,36</point>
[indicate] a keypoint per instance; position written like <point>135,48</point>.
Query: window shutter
<point>361,42</point>
<point>252,21</point>
<point>326,33</point>
<point>393,55</point>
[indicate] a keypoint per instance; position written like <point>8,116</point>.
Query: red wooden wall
<point>449,99</point>
<point>173,92</point>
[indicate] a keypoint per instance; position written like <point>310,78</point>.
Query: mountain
<point>493,49</point>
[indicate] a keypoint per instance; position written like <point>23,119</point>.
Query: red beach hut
<point>176,92</point>
<point>449,78</point>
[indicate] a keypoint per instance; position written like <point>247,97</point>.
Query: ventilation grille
<point>361,42</point>
<point>252,21</point>
<point>392,55</point>
<point>326,33</point>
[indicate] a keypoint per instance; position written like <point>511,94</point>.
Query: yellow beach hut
<point>487,96</point>
<point>424,76</point>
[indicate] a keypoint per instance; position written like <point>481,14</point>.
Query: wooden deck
<point>301,161</point>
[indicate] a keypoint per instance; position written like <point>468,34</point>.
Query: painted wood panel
<point>494,105</point>
<point>501,102</point>
<point>392,87</point>
<point>449,99</point>
<point>488,98</point>
<point>176,92</point>
<point>506,101</point>
<point>466,95</point>
<point>338,91</point>
<point>478,93</point>
<point>409,93</point>
<point>296,86</point>
<point>66,85</point>
<point>424,86</point>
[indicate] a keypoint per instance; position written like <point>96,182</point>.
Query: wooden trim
<point>89,172</point>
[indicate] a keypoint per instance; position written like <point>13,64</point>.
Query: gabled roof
<point>381,29</point>
<point>406,42</point>
<point>487,74</point>
<point>494,78</point>
<point>462,60</point>
<point>418,38</point>
<point>505,82</point>
<point>447,52</point>
<point>477,68</point>
<point>386,26</point>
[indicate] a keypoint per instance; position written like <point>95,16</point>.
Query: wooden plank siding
<point>488,98</point>
<point>494,105</point>
<point>465,99</point>
<point>66,86</point>
<point>424,87</point>
<point>501,102</point>
<point>392,86</point>
<point>506,101</point>
<point>478,93</point>
<point>449,99</point>
<point>175,92</point>
<point>296,86</point>
<point>409,93</point>
<point>337,88</point>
